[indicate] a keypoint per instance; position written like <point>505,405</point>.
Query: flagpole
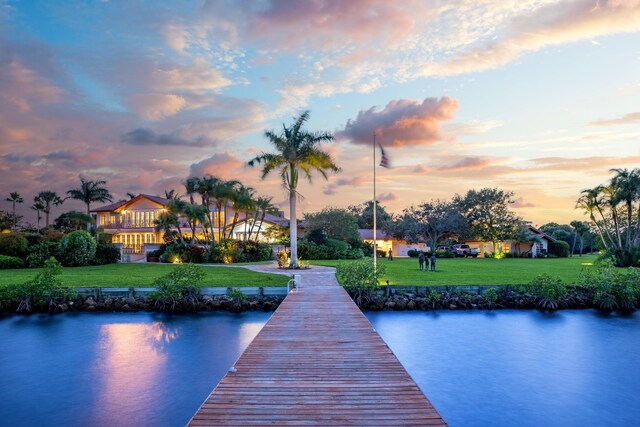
<point>375,246</point>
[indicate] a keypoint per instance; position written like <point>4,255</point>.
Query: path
<point>317,361</point>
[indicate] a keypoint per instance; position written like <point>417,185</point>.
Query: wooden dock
<point>317,361</point>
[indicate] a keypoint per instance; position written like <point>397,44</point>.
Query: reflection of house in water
<point>387,243</point>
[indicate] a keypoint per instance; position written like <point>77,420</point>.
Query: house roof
<point>542,234</point>
<point>367,234</point>
<point>123,203</point>
<point>273,219</point>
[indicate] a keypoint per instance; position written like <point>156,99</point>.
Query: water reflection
<point>132,358</point>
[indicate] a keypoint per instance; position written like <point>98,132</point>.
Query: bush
<point>283,259</point>
<point>614,289</point>
<point>77,249</point>
<point>13,244</point>
<point>559,248</point>
<point>252,252</point>
<point>52,235</point>
<point>549,291</point>
<point>33,238</point>
<point>106,253</point>
<point>332,249</point>
<point>44,290</point>
<point>359,279</point>
<point>195,254</point>
<point>181,285</point>
<point>175,253</point>
<point>40,253</point>
<point>9,262</point>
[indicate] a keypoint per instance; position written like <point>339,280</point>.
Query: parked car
<point>444,248</point>
<point>461,250</point>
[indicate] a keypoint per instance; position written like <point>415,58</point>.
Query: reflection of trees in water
<point>160,334</point>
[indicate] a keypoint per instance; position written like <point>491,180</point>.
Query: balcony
<point>127,225</point>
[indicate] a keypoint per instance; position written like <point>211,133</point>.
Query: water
<point>501,368</point>
<point>117,369</point>
<point>521,368</point>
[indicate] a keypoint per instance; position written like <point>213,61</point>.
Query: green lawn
<point>479,271</point>
<point>142,275</point>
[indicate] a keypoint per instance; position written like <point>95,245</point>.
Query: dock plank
<point>317,361</point>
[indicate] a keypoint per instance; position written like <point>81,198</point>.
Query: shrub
<point>283,259</point>
<point>359,279</point>
<point>559,248</point>
<point>33,238</point>
<point>78,248</point>
<point>13,244</point>
<point>549,291</point>
<point>175,253</point>
<point>52,235</point>
<point>180,285</point>
<point>9,262</point>
<point>195,254</point>
<point>106,253</point>
<point>40,253</point>
<point>252,252</point>
<point>491,296</point>
<point>613,289</point>
<point>45,289</point>
<point>236,294</point>
<point>332,249</point>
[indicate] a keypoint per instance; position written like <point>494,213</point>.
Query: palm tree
<point>38,206</point>
<point>592,201</point>
<point>205,187</point>
<point>90,191</point>
<point>262,206</point>
<point>191,185</point>
<point>627,190</point>
<point>176,208</point>
<point>48,199</point>
<point>223,192</point>
<point>14,198</point>
<point>196,214</point>
<point>296,150</point>
<point>242,201</point>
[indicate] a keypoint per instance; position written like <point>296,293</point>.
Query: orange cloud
<point>402,122</point>
<point>626,119</point>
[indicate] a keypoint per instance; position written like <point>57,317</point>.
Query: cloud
<point>355,181</point>
<point>156,106</point>
<point>387,197</point>
<point>224,165</point>
<point>402,122</point>
<point>626,119</point>
<point>466,163</point>
<point>520,203</point>
<point>548,25</point>
<point>142,136</point>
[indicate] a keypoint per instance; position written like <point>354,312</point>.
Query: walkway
<point>317,361</point>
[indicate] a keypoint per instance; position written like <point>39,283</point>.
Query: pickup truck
<point>465,251</point>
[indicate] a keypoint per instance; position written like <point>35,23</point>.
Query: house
<point>536,245</point>
<point>386,243</point>
<point>249,227</point>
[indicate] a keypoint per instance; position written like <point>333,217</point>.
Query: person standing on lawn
<point>421,260</point>
<point>433,261</point>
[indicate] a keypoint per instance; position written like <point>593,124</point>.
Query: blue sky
<point>537,97</point>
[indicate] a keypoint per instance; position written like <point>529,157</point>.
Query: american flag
<point>384,160</point>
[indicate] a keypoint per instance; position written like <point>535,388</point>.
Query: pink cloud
<point>520,203</point>
<point>402,122</point>
<point>387,197</point>
<point>225,165</point>
<point>626,119</point>
<point>156,106</point>
<point>467,163</point>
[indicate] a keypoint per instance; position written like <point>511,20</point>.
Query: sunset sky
<point>538,97</point>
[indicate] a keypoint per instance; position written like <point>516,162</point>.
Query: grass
<point>142,275</point>
<point>480,271</point>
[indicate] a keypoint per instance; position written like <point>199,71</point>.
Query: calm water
<point>521,368</point>
<point>506,368</point>
<point>117,369</point>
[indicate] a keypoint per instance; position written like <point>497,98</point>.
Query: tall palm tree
<point>627,190</point>
<point>262,206</point>
<point>205,188</point>
<point>49,199</point>
<point>90,191</point>
<point>38,206</point>
<point>196,214</point>
<point>223,192</point>
<point>242,201</point>
<point>592,201</point>
<point>296,151</point>
<point>14,198</point>
<point>176,207</point>
<point>191,185</point>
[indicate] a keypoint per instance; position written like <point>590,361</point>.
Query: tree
<point>242,201</point>
<point>364,214</point>
<point>196,214</point>
<point>429,222</point>
<point>334,223</point>
<point>175,208</point>
<point>49,199</point>
<point>73,221</point>
<point>38,206</point>
<point>487,213</point>
<point>90,191</point>
<point>580,229</point>
<point>14,198</point>
<point>262,206</point>
<point>296,151</point>
<point>614,211</point>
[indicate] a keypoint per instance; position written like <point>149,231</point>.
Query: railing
<point>132,249</point>
<point>132,224</point>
